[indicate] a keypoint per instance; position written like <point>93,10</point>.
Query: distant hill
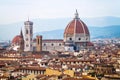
<point>55,27</point>
<point>96,32</point>
<point>105,32</point>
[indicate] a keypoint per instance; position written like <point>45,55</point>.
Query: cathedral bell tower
<point>28,36</point>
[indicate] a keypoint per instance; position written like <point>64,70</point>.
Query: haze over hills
<point>101,27</point>
<point>96,32</point>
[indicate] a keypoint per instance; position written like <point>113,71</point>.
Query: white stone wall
<point>77,38</point>
<point>51,46</point>
<point>28,37</point>
<point>68,36</point>
<point>81,38</point>
<point>69,48</point>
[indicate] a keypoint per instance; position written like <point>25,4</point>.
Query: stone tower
<point>28,36</point>
<point>38,43</point>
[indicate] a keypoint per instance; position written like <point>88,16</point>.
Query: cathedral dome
<point>76,26</point>
<point>16,39</point>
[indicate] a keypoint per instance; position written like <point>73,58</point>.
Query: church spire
<point>21,34</point>
<point>76,15</point>
<point>21,41</point>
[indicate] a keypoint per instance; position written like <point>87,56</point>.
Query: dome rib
<point>76,26</point>
<point>16,39</point>
<point>83,27</point>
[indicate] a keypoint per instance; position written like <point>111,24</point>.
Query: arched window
<point>26,31</point>
<point>31,31</point>
<point>38,41</point>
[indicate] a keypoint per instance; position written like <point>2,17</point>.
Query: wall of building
<point>82,38</point>
<point>28,34</point>
<point>38,43</point>
<point>29,77</point>
<point>51,45</point>
<point>53,72</point>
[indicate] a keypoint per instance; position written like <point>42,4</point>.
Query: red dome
<point>16,39</point>
<point>76,26</point>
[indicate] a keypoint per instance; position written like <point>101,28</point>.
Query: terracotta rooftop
<point>32,68</point>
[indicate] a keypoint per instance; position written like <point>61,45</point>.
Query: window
<point>31,39</point>
<point>44,44</point>
<point>38,41</point>
<point>59,44</point>
<point>52,44</point>
<point>31,31</point>
<point>26,31</point>
<point>70,38</point>
<point>26,39</point>
<point>27,45</point>
<point>86,38</point>
<point>79,38</point>
<point>59,77</point>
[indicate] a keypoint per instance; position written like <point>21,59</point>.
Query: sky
<point>12,11</point>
